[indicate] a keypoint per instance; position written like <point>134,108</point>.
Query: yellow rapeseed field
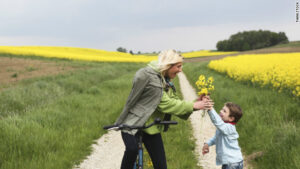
<point>75,53</point>
<point>280,70</point>
<point>89,54</point>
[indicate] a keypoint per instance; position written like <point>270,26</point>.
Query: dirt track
<point>258,51</point>
<point>13,70</point>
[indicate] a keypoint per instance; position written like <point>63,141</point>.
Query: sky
<point>141,25</point>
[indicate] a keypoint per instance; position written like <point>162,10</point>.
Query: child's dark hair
<point>234,111</point>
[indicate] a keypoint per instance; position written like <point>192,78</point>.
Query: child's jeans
<point>238,165</point>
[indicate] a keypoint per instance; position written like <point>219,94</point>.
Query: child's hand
<point>208,104</point>
<point>201,97</point>
<point>204,97</point>
<point>205,149</point>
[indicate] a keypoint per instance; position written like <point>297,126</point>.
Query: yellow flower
<point>149,163</point>
<point>211,88</point>
<point>210,80</point>
<point>204,91</point>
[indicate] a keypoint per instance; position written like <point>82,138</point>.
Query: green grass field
<point>290,44</point>
<point>270,123</point>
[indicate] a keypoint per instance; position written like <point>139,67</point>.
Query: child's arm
<point>219,123</point>
<point>211,141</point>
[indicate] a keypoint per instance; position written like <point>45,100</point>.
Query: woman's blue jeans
<point>238,165</point>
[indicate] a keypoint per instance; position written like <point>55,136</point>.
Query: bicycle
<point>139,162</point>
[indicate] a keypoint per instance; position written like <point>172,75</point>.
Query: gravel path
<point>108,152</point>
<point>203,129</point>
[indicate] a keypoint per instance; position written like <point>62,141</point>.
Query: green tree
<point>120,49</point>
<point>249,40</point>
<point>246,46</point>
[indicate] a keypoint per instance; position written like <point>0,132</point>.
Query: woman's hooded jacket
<point>145,96</point>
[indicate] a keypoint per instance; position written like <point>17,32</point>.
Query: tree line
<point>124,50</point>
<point>249,40</point>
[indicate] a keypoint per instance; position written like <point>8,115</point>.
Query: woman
<point>153,95</point>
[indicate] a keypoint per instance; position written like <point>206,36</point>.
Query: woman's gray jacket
<point>143,99</point>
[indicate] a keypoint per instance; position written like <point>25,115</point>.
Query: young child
<point>229,153</point>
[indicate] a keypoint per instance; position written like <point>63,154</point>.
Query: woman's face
<point>174,69</point>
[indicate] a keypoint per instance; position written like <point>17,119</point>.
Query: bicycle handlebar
<point>123,126</point>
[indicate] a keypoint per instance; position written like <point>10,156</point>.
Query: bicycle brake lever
<point>157,120</point>
<point>113,128</point>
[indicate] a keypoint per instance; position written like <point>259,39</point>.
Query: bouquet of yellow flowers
<point>204,87</point>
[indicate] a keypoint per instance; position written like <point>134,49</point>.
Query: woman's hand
<point>205,149</point>
<point>202,105</point>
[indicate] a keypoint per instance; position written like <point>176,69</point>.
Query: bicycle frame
<point>139,163</point>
